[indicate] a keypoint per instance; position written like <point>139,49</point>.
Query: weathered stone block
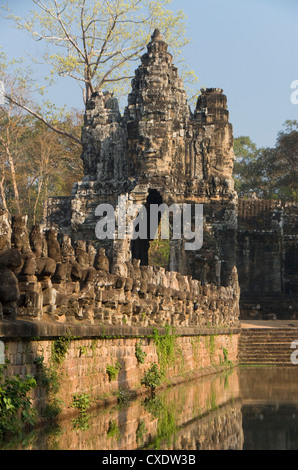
<point>9,288</point>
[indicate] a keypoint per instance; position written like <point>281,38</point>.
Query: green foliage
<point>139,353</point>
<point>154,405</point>
<point>97,43</point>
<point>59,349</point>
<point>212,346</point>
<point>167,421</point>
<point>113,431</point>
<point>123,398</point>
<point>82,422</point>
<point>269,173</point>
<point>141,432</point>
<point>82,350</point>
<point>52,409</point>
<point>16,411</point>
<point>165,346</point>
<point>153,377</point>
<point>93,346</point>
<point>159,253</point>
<point>47,377</point>
<point>81,401</point>
<point>226,360</point>
<point>212,400</point>
<point>113,371</point>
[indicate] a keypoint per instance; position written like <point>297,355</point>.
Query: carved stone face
<point>52,234</point>
<point>136,263</point>
<point>66,240</point>
<point>20,238</point>
<point>120,270</point>
<point>81,245</point>
<point>36,241</point>
<point>67,249</point>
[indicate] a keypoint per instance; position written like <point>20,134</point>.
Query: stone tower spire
<point>156,113</point>
<point>158,152</point>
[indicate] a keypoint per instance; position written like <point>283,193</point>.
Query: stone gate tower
<point>158,152</point>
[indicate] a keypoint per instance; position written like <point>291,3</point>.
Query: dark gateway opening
<point>140,248</point>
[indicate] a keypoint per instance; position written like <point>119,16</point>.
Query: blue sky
<point>247,47</point>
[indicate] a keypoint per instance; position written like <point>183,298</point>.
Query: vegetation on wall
<point>113,370</point>
<point>82,402</point>
<point>59,349</point>
<point>166,347</point>
<point>139,353</point>
<point>226,361</point>
<point>153,377</point>
<point>16,410</point>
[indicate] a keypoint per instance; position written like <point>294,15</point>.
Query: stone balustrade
<point>46,277</point>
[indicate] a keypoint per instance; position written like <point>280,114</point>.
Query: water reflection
<point>270,427</point>
<point>244,408</point>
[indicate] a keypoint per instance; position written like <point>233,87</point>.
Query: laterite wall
<point>88,352</point>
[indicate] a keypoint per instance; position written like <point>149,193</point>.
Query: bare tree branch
<point>42,119</point>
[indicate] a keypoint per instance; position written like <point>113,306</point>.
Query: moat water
<point>241,409</point>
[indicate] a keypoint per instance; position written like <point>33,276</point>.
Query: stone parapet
<point>52,280</point>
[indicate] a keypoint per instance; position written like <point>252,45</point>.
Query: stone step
<point>264,354</point>
<point>270,340</point>
<point>272,363</point>
<point>271,347</point>
<point>286,357</point>
<point>266,347</point>
<point>265,357</point>
<point>288,339</point>
<point>269,333</point>
<point>265,363</point>
<point>262,346</point>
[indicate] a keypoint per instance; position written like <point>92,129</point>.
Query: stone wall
<point>89,351</point>
<point>267,260</point>
<point>203,414</point>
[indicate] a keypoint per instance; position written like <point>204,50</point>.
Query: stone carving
<point>267,261</point>
<point>77,287</point>
<point>157,152</point>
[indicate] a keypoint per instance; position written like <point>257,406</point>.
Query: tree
<point>287,156</point>
<point>20,90</point>
<point>270,173</point>
<point>14,128</point>
<point>53,164</point>
<point>246,172</point>
<point>96,42</point>
<point>35,161</point>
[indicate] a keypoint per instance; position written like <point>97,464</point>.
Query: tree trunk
<point>2,192</point>
<point>14,181</point>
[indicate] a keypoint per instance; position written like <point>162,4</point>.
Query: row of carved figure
<point>42,278</point>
